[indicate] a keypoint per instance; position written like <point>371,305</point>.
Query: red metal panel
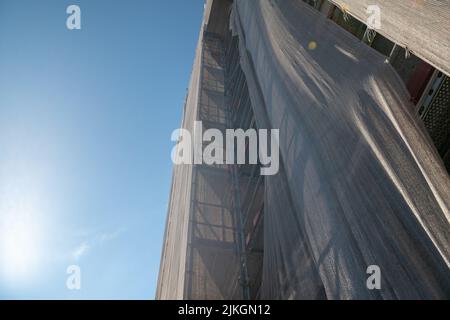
<point>419,81</point>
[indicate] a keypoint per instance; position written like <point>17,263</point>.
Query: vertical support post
<point>244,280</point>
<point>392,54</point>
<point>369,36</point>
<point>237,208</point>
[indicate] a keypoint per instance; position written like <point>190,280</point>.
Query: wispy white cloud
<point>106,237</point>
<point>97,240</point>
<point>80,251</point>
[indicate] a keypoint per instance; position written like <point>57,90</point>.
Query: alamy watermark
<point>74,20</point>
<point>73,281</point>
<point>374,17</point>
<point>374,280</point>
<point>231,149</point>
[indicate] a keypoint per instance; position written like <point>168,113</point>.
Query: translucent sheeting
<point>172,275</point>
<point>361,183</point>
<point>422,26</point>
<point>199,259</point>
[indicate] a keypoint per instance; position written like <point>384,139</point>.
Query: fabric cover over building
<point>421,26</point>
<point>360,182</point>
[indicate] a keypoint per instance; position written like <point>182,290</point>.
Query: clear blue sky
<point>85,123</point>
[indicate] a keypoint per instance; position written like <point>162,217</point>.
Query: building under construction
<point>364,120</point>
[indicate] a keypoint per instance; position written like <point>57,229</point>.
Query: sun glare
<point>20,239</point>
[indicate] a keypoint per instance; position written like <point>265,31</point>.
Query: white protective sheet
<point>421,26</point>
<point>361,182</point>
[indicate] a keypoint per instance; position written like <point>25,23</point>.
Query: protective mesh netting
<point>422,26</point>
<point>360,182</point>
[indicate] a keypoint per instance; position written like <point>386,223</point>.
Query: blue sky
<point>85,123</point>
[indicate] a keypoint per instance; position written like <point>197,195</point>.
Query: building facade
<point>360,184</point>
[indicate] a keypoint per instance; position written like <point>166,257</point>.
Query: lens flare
<point>20,243</point>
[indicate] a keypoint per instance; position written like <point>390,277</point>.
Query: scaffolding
<point>359,184</point>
